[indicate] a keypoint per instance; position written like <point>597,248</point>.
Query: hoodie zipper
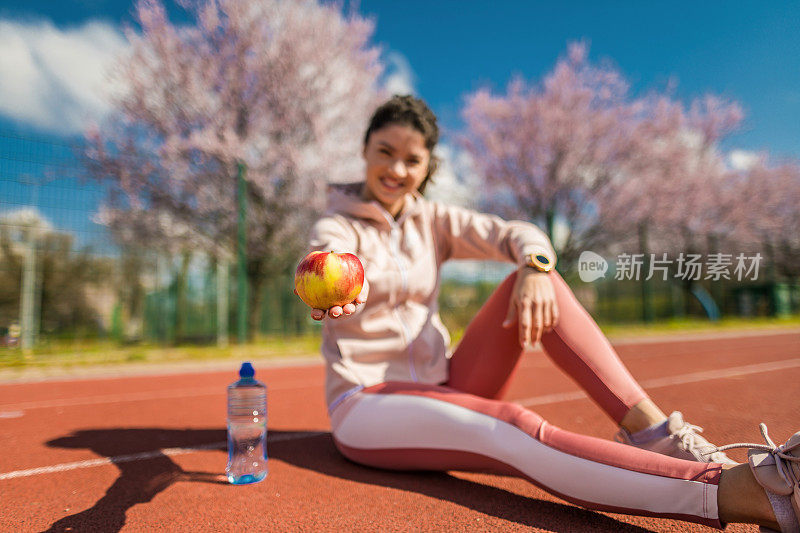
<point>394,247</point>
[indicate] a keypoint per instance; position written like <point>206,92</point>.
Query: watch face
<point>539,262</point>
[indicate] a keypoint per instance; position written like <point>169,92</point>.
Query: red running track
<point>146,453</point>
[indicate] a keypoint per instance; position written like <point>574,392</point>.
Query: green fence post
<point>782,299</point>
<point>241,249</point>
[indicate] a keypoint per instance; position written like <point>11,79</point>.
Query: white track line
<point>143,456</point>
<point>147,395</point>
<point>702,336</point>
<point>17,408</point>
<point>672,380</point>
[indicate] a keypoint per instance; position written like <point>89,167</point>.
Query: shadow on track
<point>142,478</point>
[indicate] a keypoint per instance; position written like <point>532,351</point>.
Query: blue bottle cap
<point>247,370</point>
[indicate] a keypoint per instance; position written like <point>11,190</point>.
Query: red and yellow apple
<point>327,279</point>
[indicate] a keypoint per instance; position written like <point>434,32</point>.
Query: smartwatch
<point>539,261</point>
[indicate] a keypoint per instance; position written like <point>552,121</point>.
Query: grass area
<point>95,353</point>
<point>695,325</point>
<point>92,353</point>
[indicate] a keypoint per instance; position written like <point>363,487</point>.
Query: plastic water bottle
<point>247,428</point>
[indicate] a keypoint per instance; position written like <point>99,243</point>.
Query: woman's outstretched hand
<point>343,310</point>
<point>533,305</point>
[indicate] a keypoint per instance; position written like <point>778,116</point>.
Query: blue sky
<point>747,51</point>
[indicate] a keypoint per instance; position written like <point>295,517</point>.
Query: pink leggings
<point>462,425</point>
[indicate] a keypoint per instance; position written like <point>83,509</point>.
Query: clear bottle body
<point>247,432</point>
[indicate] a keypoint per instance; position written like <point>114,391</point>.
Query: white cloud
<point>54,79</point>
<point>456,181</point>
<point>561,232</point>
<point>25,217</point>
<point>743,159</point>
<point>400,76</point>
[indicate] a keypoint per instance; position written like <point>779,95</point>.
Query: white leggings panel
<point>369,424</point>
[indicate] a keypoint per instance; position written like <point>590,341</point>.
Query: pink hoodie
<point>398,335</point>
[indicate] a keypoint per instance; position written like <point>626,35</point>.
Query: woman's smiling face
<point>397,163</point>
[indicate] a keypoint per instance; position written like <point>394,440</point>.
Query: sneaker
<point>683,441</point>
<point>776,468</point>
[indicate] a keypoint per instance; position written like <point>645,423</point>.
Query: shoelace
<point>781,454</point>
<point>690,439</point>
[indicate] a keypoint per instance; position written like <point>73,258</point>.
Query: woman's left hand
<point>533,305</point>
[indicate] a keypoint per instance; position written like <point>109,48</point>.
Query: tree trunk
<point>256,278</point>
<point>771,275</point>
<point>241,256</point>
<point>769,261</point>
<point>181,303</point>
<point>551,222</point>
<point>647,300</point>
<point>27,301</point>
<point>687,284</point>
<point>717,287</point>
<point>223,306</point>
<point>550,218</point>
<point>132,295</point>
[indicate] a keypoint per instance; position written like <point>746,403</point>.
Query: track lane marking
<point>669,381</point>
<point>145,395</point>
<point>16,408</point>
<point>89,463</point>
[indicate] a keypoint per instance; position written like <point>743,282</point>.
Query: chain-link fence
<point>56,265</point>
<point>63,277</point>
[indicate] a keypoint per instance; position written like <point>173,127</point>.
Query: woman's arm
<point>466,234</point>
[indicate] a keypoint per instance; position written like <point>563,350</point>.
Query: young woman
<point>399,399</point>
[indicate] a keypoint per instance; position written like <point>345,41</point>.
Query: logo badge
<point>591,266</point>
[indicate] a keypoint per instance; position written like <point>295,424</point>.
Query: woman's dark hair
<point>407,110</point>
